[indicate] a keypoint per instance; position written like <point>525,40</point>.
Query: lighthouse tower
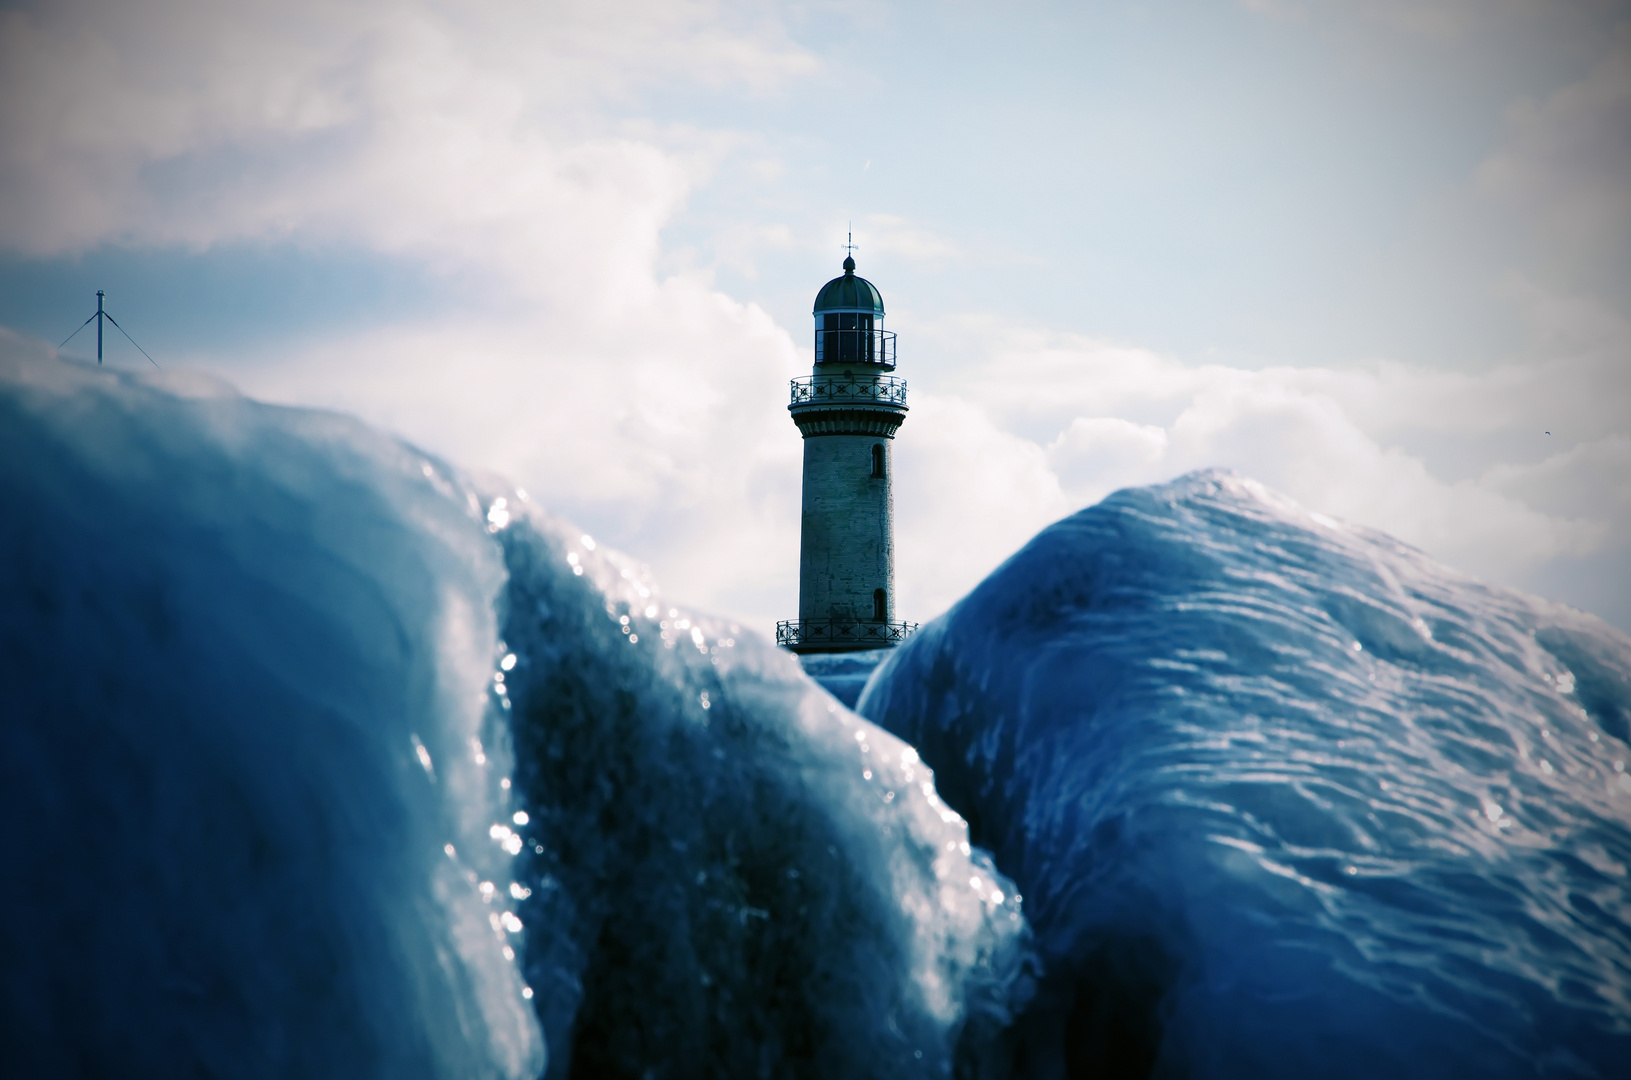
<point>848,411</point>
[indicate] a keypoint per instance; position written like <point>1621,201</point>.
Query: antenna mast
<point>98,316</point>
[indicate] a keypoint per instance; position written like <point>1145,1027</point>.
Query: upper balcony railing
<point>855,347</point>
<point>821,389</point>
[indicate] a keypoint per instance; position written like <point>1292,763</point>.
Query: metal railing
<point>816,389</point>
<point>855,347</point>
<point>817,632</point>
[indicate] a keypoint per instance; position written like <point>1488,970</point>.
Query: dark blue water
<point>1286,798</point>
<point>319,760</point>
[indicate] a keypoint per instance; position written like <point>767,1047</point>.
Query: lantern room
<point>849,323</point>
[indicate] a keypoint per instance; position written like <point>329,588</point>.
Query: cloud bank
<point>508,148</point>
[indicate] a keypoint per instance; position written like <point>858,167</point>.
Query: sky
<point>1376,255</point>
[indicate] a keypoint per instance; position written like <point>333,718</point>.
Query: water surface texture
<point>319,758</point>
<point>247,759</point>
<point>1286,798</point>
<point>728,873</point>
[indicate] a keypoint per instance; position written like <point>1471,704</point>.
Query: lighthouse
<point>848,411</point>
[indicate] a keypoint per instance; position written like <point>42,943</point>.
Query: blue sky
<point>1368,253</point>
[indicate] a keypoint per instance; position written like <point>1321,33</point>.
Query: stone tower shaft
<point>848,411</point>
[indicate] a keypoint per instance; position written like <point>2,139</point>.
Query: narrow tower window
<point>877,459</point>
<point>880,606</point>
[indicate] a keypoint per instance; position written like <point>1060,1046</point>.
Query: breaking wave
<point>1285,797</point>
<point>321,759</point>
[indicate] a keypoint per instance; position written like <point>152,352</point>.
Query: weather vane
<point>99,315</point>
<point>849,242</point>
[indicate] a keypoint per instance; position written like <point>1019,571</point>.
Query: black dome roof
<point>849,293</point>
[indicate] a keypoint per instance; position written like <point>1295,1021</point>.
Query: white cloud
<point>967,495</point>
<point>1094,447</point>
<point>473,133</point>
<point>665,429</point>
<point>484,140</point>
<point>1594,476</point>
<point>1566,166</point>
<point>1054,423</point>
<point>473,139</point>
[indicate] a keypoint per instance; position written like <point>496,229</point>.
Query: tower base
<point>840,635</point>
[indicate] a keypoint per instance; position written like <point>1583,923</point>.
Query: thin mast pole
<point>98,326</point>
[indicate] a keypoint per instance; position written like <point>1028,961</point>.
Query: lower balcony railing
<point>817,632</point>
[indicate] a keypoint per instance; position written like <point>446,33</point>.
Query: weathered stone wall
<point>847,547</point>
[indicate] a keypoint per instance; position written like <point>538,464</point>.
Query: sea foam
<point>739,876</point>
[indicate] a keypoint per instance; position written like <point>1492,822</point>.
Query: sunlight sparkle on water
<point>424,757</point>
